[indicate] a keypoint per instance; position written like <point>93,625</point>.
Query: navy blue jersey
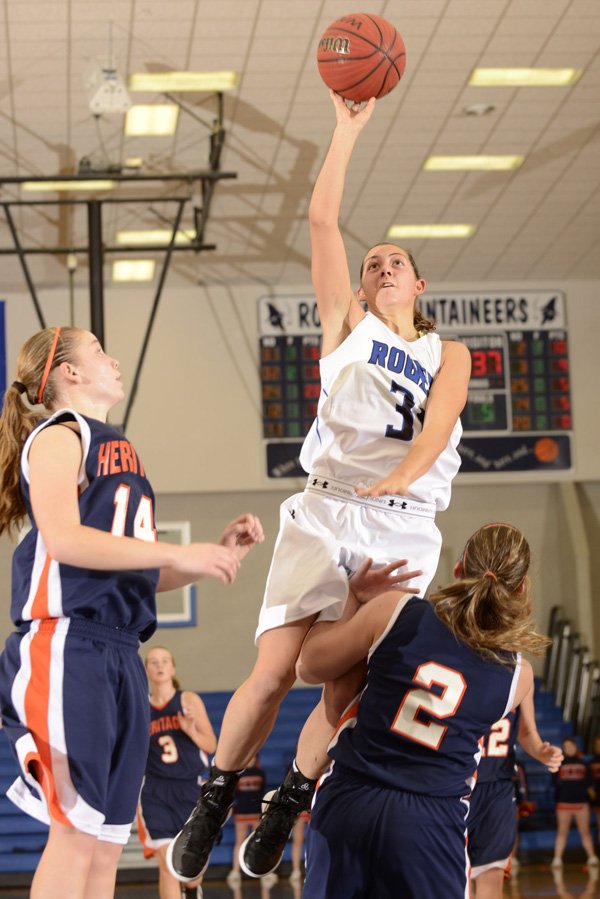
<point>172,754</point>
<point>249,792</point>
<point>498,750</point>
<point>114,496</point>
<point>572,781</point>
<point>428,700</point>
<point>594,764</point>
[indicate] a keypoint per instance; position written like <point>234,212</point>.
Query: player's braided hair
<point>18,418</point>
<point>489,606</point>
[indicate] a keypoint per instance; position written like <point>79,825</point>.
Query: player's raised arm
<point>330,274</point>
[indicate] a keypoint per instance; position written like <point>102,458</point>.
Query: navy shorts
<point>165,805</point>
<point>367,841</point>
<point>74,703</point>
<point>492,825</point>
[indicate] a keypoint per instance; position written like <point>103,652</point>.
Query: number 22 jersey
<point>114,496</point>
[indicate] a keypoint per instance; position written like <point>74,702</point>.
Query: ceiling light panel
<point>83,184</point>
<point>166,82</point>
<point>133,270</point>
<point>155,119</point>
<point>480,163</point>
<point>523,77</point>
<point>158,236</point>
<point>425,231</point>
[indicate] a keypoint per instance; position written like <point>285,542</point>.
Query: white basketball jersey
<point>373,400</point>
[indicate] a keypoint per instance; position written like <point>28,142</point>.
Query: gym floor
<point>530,882</point>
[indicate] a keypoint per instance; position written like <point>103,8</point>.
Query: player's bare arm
<point>195,722</point>
<point>530,739</point>
<point>331,649</point>
<point>339,309</point>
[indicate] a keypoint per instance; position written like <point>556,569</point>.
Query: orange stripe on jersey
<point>39,607</point>
<point>143,833</point>
<point>37,702</point>
<point>351,712</point>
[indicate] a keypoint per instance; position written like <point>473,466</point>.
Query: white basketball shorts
<point>326,533</point>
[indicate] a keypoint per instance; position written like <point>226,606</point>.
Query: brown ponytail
<point>18,419</point>
<point>489,606</point>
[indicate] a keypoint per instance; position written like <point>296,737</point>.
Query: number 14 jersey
<point>114,496</point>
<point>373,401</point>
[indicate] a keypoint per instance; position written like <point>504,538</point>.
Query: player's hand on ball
<point>368,582</point>
<point>357,114</point>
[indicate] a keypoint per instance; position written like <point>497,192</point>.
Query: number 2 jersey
<point>172,754</point>
<point>114,496</point>
<point>428,700</point>
<point>373,401</point>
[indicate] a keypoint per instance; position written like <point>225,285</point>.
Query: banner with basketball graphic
<point>518,415</point>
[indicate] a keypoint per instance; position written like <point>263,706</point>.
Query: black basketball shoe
<point>262,851</point>
<point>189,851</point>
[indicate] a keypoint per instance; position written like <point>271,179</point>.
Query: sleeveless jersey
<point>114,496</point>
<point>498,759</point>
<point>373,401</point>
<point>573,779</point>
<point>172,754</point>
<point>427,701</point>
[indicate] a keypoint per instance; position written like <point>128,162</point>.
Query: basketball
<point>361,56</point>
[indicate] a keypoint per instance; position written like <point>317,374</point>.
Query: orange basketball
<point>545,449</point>
<point>361,56</point>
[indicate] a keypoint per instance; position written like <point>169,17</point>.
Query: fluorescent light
<point>133,270</point>
<point>421,231</point>
<point>157,119</point>
<point>165,82</point>
<point>478,163</point>
<point>89,184</point>
<point>524,77</point>
<point>154,236</point>
<point>133,162</point>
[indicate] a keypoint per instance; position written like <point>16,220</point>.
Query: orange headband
<point>49,362</point>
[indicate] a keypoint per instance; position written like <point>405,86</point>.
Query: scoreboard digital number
<point>518,413</point>
<point>519,382</point>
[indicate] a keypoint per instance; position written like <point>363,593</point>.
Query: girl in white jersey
<point>380,458</point>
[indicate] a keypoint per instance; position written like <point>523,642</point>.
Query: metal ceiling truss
<point>96,249</point>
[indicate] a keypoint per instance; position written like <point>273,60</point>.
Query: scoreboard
<point>518,413</point>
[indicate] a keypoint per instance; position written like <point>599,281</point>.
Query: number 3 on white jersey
<point>428,733</point>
